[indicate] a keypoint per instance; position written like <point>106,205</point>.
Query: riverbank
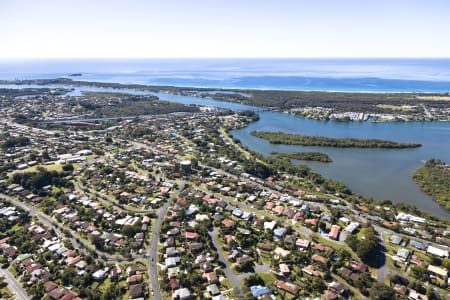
<point>342,106</point>
<point>322,141</point>
<point>434,179</point>
<point>308,156</point>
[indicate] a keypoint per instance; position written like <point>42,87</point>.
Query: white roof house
<point>410,218</point>
<point>270,225</point>
<point>352,227</point>
<point>441,272</point>
<point>437,251</point>
<point>99,274</point>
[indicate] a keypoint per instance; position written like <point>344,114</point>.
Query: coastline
<point>254,97</point>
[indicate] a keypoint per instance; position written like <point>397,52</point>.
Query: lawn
<point>268,278</point>
<point>106,284</point>
<point>55,167</point>
<point>13,271</point>
<point>336,245</point>
<point>5,293</point>
<point>226,283</point>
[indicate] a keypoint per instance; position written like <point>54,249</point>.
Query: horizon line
<point>206,58</point>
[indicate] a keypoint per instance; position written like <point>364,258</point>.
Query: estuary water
<point>381,174</point>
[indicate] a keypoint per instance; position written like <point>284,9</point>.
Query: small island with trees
<point>434,179</point>
<point>322,141</point>
<point>309,156</point>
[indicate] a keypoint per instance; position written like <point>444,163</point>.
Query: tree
<point>318,285</point>
<point>98,243</point>
<point>352,242</point>
<point>68,168</point>
<point>446,263</point>
<point>380,291</point>
<point>419,273</point>
<point>367,250</point>
<point>253,280</point>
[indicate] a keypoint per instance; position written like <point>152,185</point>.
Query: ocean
<point>356,75</point>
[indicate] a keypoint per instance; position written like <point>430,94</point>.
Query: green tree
<point>380,291</point>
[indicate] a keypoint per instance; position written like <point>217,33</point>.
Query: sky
<point>224,28</point>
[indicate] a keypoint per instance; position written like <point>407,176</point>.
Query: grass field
<point>55,167</point>
<point>268,278</point>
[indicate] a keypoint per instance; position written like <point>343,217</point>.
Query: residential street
<point>152,253</point>
<point>83,245</point>
<point>14,285</point>
<point>235,280</point>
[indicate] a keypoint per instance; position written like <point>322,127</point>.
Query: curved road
<point>152,253</point>
<point>235,279</point>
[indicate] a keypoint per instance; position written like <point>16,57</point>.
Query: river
<point>376,173</point>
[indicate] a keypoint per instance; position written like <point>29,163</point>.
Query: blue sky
<point>227,28</point>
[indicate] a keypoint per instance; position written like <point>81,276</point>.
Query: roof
<point>359,266</point>
<point>211,276</point>
<point>57,293</point>
<point>281,252</point>
<point>49,286</point>
<point>320,259</point>
<point>183,293</point>
<point>279,231</point>
<point>99,273</point>
<point>134,279</point>
<point>270,225</point>
<point>418,245</point>
<point>228,223</point>
<point>191,235</point>
<point>329,295</point>
<point>338,287</point>
<point>174,284</point>
<point>23,257</point>
<point>287,286</point>
<point>265,246</point>
<point>279,209</point>
<point>312,271</point>
<point>395,239</point>
<point>311,221</point>
<point>258,290</point>
<point>438,270</point>
<point>135,291</point>
<point>213,289</point>
<point>302,243</point>
<point>437,251</point>
<point>334,232</point>
<point>344,271</point>
<point>352,227</point>
<point>284,268</point>
<point>403,253</point>
<point>354,277</point>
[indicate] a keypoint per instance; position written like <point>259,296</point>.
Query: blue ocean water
<point>375,75</point>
